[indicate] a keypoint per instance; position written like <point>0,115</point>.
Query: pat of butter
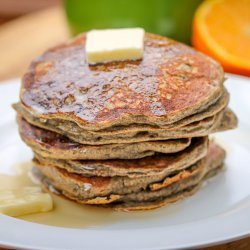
<point>114,45</point>
<point>27,200</point>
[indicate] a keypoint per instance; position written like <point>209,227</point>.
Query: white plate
<point>220,211</point>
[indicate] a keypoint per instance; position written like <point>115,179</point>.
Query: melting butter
<point>24,200</point>
<point>114,45</point>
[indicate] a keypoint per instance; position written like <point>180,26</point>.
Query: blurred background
<point>28,27</point>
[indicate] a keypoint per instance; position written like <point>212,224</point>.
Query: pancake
<point>65,125</point>
<point>173,81</point>
<point>121,133</point>
<point>157,165</point>
<point>52,145</point>
<point>196,129</point>
<point>176,189</point>
<point>90,187</point>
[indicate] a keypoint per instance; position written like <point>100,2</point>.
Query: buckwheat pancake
<point>212,110</point>
<point>52,145</point>
<point>196,129</point>
<point>103,186</point>
<point>130,135</point>
<point>171,82</point>
<point>199,124</point>
<point>157,165</point>
<point>170,189</point>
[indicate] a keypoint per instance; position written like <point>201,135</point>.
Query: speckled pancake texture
<point>172,81</point>
<point>128,135</point>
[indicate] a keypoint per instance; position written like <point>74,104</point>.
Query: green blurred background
<point>165,17</point>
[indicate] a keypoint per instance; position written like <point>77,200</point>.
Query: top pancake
<point>172,81</point>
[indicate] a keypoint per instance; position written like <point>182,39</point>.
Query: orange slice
<point>221,29</point>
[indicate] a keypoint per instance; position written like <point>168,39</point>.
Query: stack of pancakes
<point>129,135</point>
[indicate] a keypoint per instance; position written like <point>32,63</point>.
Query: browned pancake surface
<point>171,82</point>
